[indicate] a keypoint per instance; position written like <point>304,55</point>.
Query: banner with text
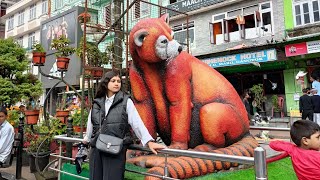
<point>244,58</point>
<point>302,48</point>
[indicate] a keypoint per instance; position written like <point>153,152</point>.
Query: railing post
<point>20,146</point>
<point>260,163</point>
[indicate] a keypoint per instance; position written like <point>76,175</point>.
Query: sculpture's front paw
<point>178,145</point>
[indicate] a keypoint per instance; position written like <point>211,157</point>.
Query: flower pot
<point>39,58</point>
<point>97,72</point>
<point>43,161</point>
<point>276,114</point>
<point>62,115</point>
<point>62,63</point>
<point>78,129</point>
<point>32,116</point>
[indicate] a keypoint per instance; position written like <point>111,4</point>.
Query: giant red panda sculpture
<point>188,103</point>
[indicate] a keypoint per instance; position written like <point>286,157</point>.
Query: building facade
<point>23,20</point>
<point>240,39</point>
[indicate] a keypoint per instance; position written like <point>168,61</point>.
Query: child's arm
<point>282,146</point>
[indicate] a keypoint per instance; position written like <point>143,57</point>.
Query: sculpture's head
<point>152,41</point>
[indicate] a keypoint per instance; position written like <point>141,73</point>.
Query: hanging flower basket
<point>62,115</point>
<point>38,58</point>
<point>32,116</point>
<point>62,63</point>
<point>83,16</point>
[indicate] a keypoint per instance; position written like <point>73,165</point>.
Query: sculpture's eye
<point>164,41</point>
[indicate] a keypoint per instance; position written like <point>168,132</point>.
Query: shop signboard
<point>313,47</point>
<point>296,49</point>
<point>190,5</point>
<point>302,48</point>
<point>244,58</point>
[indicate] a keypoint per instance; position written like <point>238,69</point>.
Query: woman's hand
<point>155,146</point>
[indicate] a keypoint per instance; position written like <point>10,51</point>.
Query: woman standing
<point>116,113</point>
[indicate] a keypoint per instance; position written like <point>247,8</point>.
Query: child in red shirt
<point>305,155</point>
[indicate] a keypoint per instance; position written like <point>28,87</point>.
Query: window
<point>243,23</point>
<point>107,15</point>
<point>20,18</point>
<point>31,40</point>
<point>58,4</point>
<point>140,9</point>
<point>10,23</point>
<point>44,6</point>
<point>306,12</point>
<point>20,41</point>
<point>33,12</point>
<point>180,33</point>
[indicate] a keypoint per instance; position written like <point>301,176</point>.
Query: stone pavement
<point>25,173</point>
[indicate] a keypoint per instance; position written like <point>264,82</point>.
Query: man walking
<point>305,106</point>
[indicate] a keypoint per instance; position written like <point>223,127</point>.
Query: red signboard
<point>296,49</point>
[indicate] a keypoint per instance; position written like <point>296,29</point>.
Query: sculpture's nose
<point>180,49</point>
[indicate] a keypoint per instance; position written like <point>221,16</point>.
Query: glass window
<point>20,18</point>
<point>265,6</point>
<point>315,5</point>
<point>31,40</point>
<point>44,6</point>
<point>32,12</point>
<point>180,33</point>
<point>10,23</point>
<point>306,12</point>
<point>20,41</point>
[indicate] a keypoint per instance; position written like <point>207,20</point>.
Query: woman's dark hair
<point>303,128</point>
<point>103,85</point>
<point>4,110</point>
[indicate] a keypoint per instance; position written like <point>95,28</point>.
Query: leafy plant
<point>37,47</point>
<point>62,46</point>
<point>93,54</point>
<point>43,135</point>
<point>62,104</point>
<point>259,97</point>
<point>275,103</point>
<point>31,89</point>
<point>14,82</point>
<point>13,116</point>
<point>76,117</point>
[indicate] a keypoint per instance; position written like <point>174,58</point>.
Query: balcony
<point>250,33</point>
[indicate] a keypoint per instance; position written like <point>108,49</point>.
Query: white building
<point>23,21</point>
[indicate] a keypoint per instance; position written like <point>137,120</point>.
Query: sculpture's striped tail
<point>187,167</point>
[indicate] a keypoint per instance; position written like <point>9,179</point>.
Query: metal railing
<point>259,159</point>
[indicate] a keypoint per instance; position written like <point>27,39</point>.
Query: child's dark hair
<point>303,128</point>
<point>304,90</point>
<point>4,110</point>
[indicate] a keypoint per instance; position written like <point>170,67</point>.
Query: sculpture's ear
<point>165,18</point>
<point>139,36</point>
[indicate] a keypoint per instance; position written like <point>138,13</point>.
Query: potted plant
<point>94,57</point>
<point>32,90</point>
<point>39,54</point>
<point>276,106</point>
<point>259,97</point>
<point>38,139</point>
<point>62,112</point>
<point>83,16</point>
<point>63,50</point>
<point>76,117</point>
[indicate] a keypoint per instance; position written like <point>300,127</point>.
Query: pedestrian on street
<point>6,137</point>
<point>305,106</point>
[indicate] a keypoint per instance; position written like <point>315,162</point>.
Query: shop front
<point>253,67</point>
